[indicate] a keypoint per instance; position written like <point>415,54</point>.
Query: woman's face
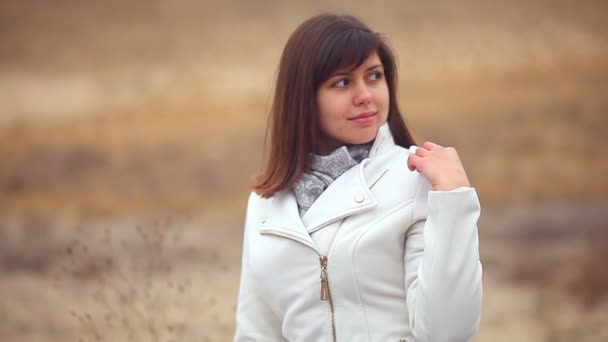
<point>352,106</point>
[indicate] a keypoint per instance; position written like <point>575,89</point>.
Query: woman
<point>350,236</point>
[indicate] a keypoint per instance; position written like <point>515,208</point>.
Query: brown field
<point>172,279</point>
<point>128,132</point>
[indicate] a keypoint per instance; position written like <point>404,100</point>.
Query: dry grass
<point>177,279</point>
<point>557,252</point>
<point>156,280</point>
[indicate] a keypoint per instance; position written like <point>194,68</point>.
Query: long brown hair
<point>317,48</point>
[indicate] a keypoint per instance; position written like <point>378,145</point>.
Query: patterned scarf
<point>323,170</point>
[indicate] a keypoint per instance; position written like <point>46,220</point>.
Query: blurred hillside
<point>119,106</point>
<point>129,131</point>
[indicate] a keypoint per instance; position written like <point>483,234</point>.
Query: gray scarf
<point>323,170</point>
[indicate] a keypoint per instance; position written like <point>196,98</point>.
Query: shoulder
<point>398,184</point>
<point>253,203</point>
<point>258,206</point>
<point>395,159</point>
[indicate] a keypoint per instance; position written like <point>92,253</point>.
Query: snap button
<point>264,219</point>
<point>359,198</point>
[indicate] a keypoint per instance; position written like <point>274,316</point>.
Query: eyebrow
<point>343,73</point>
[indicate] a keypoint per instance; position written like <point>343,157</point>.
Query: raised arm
<point>443,274</point>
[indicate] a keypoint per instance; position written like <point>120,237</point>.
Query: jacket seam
<point>428,318</point>
<point>354,268</point>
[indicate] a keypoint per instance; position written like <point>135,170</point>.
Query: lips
<point>362,116</point>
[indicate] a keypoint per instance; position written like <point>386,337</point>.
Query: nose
<point>362,95</point>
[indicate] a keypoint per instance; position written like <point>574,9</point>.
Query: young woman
<point>352,232</point>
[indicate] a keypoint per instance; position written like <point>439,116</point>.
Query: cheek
<point>381,99</point>
<point>331,107</point>
<point>382,96</point>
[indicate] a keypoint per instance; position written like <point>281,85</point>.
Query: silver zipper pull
<point>324,289</point>
<point>324,283</point>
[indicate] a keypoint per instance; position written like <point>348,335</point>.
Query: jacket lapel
<point>349,194</point>
<point>282,218</point>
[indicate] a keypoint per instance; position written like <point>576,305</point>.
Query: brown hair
<point>317,48</point>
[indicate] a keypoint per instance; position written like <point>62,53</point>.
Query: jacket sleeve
<point>255,320</point>
<point>443,274</point>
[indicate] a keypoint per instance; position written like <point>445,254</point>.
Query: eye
<point>341,83</point>
<point>376,75</point>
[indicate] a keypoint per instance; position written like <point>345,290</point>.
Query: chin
<point>364,138</point>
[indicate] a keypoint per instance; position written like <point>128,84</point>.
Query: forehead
<point>371,60</point>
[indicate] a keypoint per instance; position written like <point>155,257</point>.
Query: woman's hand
<point>440,165</point>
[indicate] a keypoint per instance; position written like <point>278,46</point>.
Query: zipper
<point>325,282</point>
<point>325,294</point>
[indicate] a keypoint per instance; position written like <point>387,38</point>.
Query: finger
<point>412,161</point>
<point>422,152</point>
<point>431,146</point>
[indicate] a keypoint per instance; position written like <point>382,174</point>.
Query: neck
<point>326,145</point>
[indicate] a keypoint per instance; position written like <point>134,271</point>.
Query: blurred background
<point>129,131</point>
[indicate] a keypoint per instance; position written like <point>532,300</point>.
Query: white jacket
<point>401,260</point>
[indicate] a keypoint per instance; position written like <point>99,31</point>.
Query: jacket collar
<point>384,141</point>
<point>349,194</point>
